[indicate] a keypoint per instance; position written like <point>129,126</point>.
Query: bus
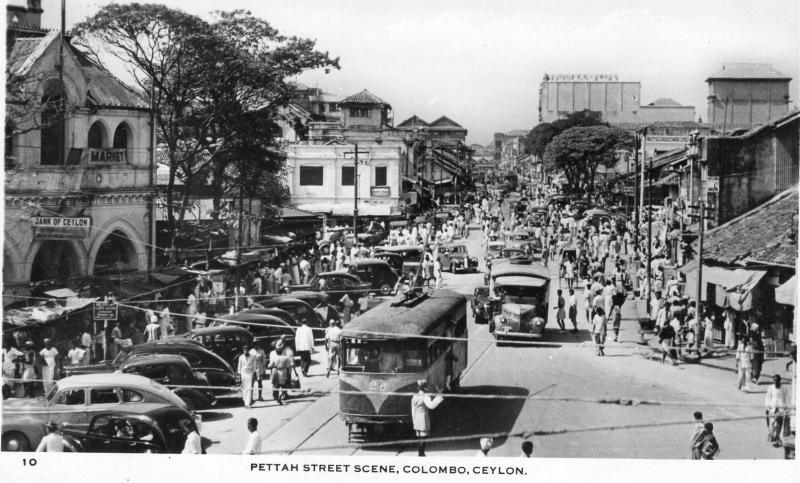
<point>388,349</point>
<point>521,294</point>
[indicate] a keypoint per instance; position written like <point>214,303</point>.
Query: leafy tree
<point>579,151</point>
<point>540,136</point>
<point>218,88</point>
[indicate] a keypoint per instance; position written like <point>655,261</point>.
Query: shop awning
<point>787,293</point>
<point>734,287</point>
<point>740,296</point>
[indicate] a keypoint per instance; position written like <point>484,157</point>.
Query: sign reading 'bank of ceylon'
<point>60,228</point>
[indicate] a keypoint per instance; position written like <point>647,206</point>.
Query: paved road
<point>548,380</point>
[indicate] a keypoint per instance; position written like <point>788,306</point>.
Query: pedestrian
<point>11,356</point>
<point>743,352</point>
<point>666,338</point>
<point>333,336</point>
<point>560,313</point>
<point>304,343</point>
<point>588,298</point>
<point>527,449</point>
<point>193,444</point>
<point>49,357</point>
<point>52,442</point>
<point>421,405</point>
<point>777,405</point>
<point>253,445</point>
<point>730,334</point>
<point>708,332</point>
<point>152,329</point>
<point>191,311</point>
<point>347,306</point>
<point>29,369</point>
<point>246,369</point>
<point>757,354</point>
<point>259,368</point>
<point>616,319</point>
<point>278,372</point>
<point>697,437</point>
<point>87,343</point>
<point>569,272</point>
<point>573,309</point>
<point>709,446</point>
<point>486,445</point>
<point>165,321</point>
<point>599,330</point>
<point>76,354</point>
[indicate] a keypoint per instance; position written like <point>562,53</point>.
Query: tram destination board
<point>105,311</point>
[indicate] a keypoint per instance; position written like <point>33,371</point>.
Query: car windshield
<point>495,248</point>
<point>519,237</point>
<point>519,294</point>
<point>52,392</point>
<point>380,356</point>
<point>458,249</point>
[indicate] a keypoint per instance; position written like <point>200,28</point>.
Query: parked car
<point>75,399</point>
<point>157,430</point>
<point>411,256</point>
<point>516,255</point>
<point>455,258</point>
<point>482,305</point>
<point>372,236</point>
<point>226,341</point>
<point>377,273</point>
<point>173,371</point>
<point>336,285</point>
<point>298,309</point>
<point>493,250</point>
<point>264,328</point>
<point>395,260</point>
<point>218,371</point>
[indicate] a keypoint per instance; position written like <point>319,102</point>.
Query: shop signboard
<point>60,227</point>
<point>105,310</point>
<point>380,191</point>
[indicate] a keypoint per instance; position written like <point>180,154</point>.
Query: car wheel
<point>386,289</point>
<point>15,441</point>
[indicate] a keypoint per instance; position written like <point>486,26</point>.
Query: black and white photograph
<point>400,233</point>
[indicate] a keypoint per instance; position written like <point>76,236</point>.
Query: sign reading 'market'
<point>60,228</point>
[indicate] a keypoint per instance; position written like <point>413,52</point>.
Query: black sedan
<point>336,285</point>
<point>173,371</point>
<point>162,430</point>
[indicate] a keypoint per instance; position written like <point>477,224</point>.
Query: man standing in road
<point>697,437</point>
<point>259,368</point>
<point>421,405</point>
<point>743,353</point>
<point>333,337</point>
<point>347,307</point>
<point>777,404</point>
<point>49,354</point>
<point>246,369</point>
<point>52,442</point>
<point>152,328</point>
<point>666,337</point>
<point>560,313</point>
<point>76,355</point>
<point>304,343</point>
<point>572,303</point>
<point>254,440</point>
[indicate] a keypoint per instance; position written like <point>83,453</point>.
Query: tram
<point>388,349</point>
<point>521,293</point>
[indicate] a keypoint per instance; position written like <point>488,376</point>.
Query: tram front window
<point>514,294</point>
<point>385,357</point>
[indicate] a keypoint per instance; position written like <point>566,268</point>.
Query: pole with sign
<point>105,312</point>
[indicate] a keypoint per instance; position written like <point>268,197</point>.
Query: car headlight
<point>538,321</point>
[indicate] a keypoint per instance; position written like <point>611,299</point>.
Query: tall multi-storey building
<point>741,96</point>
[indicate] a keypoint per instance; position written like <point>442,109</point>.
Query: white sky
<point>481,62</point>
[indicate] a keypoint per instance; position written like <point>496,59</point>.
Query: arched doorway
<point>55,260</point>
<point>116,254</point>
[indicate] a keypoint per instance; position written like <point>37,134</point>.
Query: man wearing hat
<point>486,445</point>
<point>52,441</point>
<point>421,404</point>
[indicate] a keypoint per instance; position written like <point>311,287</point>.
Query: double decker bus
<point>388,349</point>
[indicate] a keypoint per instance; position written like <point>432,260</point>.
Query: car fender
<point>195,395</point>
<point>34,429</point>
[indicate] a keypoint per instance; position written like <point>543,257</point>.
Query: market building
<point>78,180</point>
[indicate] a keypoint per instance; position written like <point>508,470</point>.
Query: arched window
<point>121,138</point>
<point>97,135</point>
<point>53,135</point>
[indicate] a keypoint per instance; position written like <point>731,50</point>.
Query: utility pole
<point>649,218</point>
<point>239,248</point>
<point>699,293</point>
<point>355,152</point>
<point>636,207</point>
<point>152,265</point>
<point>644,161</point>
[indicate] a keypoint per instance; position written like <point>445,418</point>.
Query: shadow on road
<point>214,415</point>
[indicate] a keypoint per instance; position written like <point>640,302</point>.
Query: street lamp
<point>693,153</point>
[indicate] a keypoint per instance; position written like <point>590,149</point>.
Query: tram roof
<point>505,268</point>
<point>402,321</point>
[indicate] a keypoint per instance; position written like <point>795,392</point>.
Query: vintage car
<point>376,272</point>
<point>516,255</point>
<point>521,297</point>
<point>482,306</point>
<point>265,329</point>
<point>225,341</point>
<point>412,256</point>
<point>218,371</point>
<point>518,320</point>
<point>336,285</point>
<point>173,371</point>
<point>157,430</point>
<point>454,258</point>
<point>518,239</point>
<point>299,310</point>
<point>373,235</point>
<point>395,260</point>
<point>494,249</point>
<point>76,399</point>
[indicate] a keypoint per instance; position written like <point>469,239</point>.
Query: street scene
<point>208,252</point>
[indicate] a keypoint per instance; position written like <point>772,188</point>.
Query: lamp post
<point>693,153</point>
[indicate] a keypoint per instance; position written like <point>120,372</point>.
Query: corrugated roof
<point>364,97</point>
<point>763,235</point>
<point>741,70</point>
